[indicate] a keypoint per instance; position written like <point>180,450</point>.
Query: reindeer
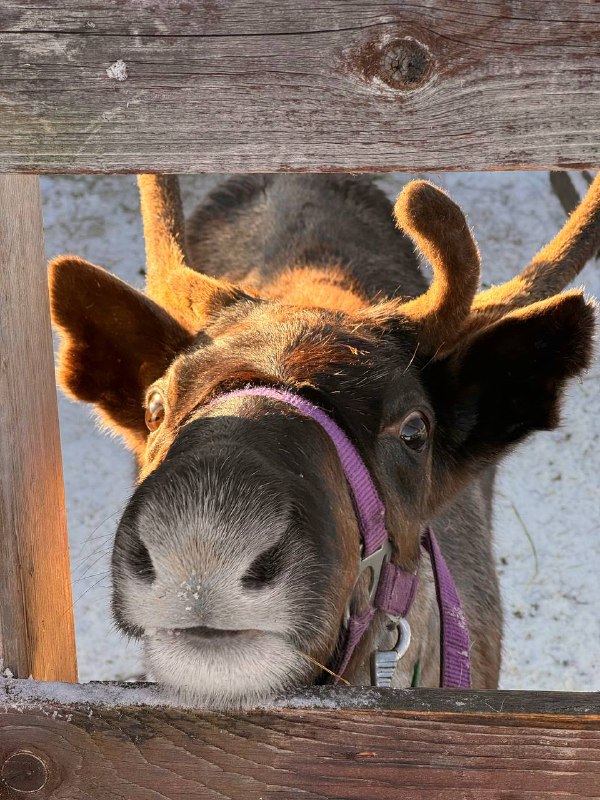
<point>316,430</point>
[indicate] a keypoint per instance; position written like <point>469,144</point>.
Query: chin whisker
<point>323,667</point>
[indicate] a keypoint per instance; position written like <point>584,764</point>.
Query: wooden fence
<point>236,85</point>
<point>103,741</point>
<point>241,85</point>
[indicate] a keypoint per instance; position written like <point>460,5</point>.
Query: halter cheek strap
<point>392,589</point>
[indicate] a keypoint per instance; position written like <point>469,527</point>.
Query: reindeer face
<point>238,551</point>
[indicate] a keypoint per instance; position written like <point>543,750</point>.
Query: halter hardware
<point>384,662</point>
<point>374,562</point>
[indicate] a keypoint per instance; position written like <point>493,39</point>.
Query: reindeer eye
<point>155,411</point>
<point>414,430</point>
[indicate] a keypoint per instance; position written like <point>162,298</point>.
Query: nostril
<point>139,561</point>
<point>264,569</point>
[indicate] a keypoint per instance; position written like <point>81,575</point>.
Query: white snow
<point>19,694</point>
<point>548,495</point>
<point>22,695</point>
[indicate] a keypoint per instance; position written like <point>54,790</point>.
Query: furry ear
<point>115,342</point>
<point>507,380</point>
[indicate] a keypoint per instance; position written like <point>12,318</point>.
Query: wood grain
<point>36,619</point>
<point>282,85</point>
<point>423,745</point>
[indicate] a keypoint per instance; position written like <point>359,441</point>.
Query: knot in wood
<point>405,64</point>
<point>24,772</point>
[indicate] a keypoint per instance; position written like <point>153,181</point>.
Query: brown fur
<point>317,329</point>
<point>318,287</point>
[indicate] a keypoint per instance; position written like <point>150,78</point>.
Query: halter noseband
<point>392,589</point>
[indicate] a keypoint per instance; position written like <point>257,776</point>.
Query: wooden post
<point>36,617</point>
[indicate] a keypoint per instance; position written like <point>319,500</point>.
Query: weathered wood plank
<point>425,744</point>
<point>36,619</point>
<point>232,85</point>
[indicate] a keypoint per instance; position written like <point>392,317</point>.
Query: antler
<point>439,229</point>
<point>551,270</point>
<point>186,294</point>
<point>451,309</point>
<point>164,226</point>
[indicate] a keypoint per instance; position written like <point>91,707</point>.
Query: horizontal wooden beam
<point>283,85</point>
<point>99,741</point>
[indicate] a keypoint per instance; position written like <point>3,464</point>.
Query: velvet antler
<point>550,271</point>
<point>440,231</point>
<point>164,227</point>
<point>188,295</point>
<point>451,308</point>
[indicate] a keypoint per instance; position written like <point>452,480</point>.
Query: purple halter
<point>393,589</point>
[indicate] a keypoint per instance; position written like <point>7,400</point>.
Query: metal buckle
<point>375,562</point>
<point>384,662</point>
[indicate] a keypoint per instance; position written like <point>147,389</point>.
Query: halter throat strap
<point>393,589</point>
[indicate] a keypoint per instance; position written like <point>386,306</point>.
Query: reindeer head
<point>238,551</point>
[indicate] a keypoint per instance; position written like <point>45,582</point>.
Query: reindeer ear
<point>507,380</point>
<point>114,342</point>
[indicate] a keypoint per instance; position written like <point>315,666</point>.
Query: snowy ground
<point>548,499</point>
